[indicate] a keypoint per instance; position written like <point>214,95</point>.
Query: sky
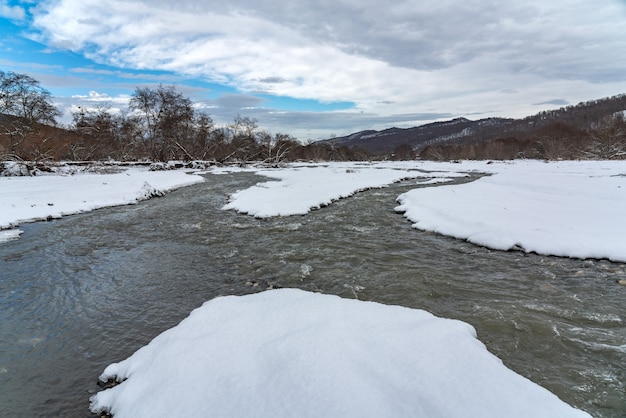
<point>323,68</point>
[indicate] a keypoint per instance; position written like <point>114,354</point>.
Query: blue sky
<point>313,69</point>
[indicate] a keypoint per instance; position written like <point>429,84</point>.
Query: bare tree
<point>24,106</point>
<point>245,139</point>
<point>22,96</point>
<point>167,117</point>
<point>607,140</point>
<point>278,148</point>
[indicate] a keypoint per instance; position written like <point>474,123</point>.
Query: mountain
<point>462,132</point>
<point>418,138</point>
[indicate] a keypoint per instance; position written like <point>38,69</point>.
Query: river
<point>84,291</point>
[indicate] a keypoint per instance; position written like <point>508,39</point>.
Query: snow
<point>293,353</point>
<point>10,235</point>
<point>27,199</point>
<point>570,209</point>
<point>301,189</point>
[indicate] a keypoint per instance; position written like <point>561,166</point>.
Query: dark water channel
<point>79,293</point>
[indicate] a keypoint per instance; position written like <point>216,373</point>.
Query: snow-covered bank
<point>298,190</point>
<point>288,352</point>
<point>571,209</point>
<point>567,208</point>
<point>26,199</point>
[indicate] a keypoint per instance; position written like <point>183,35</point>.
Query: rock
<point>108,384</point>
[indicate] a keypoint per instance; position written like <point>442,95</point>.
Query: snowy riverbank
<point>566,208</point>
<point>49,196</point>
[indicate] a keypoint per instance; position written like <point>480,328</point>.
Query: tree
<point>607,140</point>
<point>200,144</point>
<point>403,152</point>
<point>104,135</point>
<point>24,106</point>
<point>22,96</point>
<point>245,139</point>
<point>278,148</point>
<point>167,117</point>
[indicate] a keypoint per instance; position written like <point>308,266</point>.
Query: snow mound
<point>570,208</point>
<point>305,188</point>
<point>291,353</point>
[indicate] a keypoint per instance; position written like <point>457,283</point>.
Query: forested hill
<point>419,137</point>
<point>574,127</point>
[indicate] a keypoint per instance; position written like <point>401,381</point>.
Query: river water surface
<point>79,293</point>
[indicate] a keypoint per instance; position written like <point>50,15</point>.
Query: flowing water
<point>79,293</point>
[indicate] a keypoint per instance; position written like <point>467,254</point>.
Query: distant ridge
<point>461,131</point>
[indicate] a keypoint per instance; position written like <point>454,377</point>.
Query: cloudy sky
<point>316,68</point>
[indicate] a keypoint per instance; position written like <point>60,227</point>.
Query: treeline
<point>160,124</point>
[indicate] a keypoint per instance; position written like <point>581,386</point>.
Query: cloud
<point>272,80</point>
<point>238,101</point>
<point>487,57</point>
<point>95,97</point>
<point>12,12</point>
<point>556,102</point>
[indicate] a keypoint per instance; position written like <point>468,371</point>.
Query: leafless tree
<point>24,106</point>
<point>166,117</point>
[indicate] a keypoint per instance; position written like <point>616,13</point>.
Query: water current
<point>84,291</point>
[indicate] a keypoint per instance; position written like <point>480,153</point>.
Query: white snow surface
<point>291,353</point>
<point>302,188</point>
<point>10,235</point>
<point>571,209</point>
<point>27,199</point>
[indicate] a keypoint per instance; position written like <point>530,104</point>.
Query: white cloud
<point>93,101</point>
<point>11,12</point>
<point>486,57</point>
<point>94,96</point>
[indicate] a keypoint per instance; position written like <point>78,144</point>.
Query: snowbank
<point>26,199</point>
<point>571,209</point>
<point>300,189</point>
<point>292,353</point>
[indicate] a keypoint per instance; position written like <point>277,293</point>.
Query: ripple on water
<point>575,314</point>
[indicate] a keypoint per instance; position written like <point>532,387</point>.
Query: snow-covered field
<point>292,353</point>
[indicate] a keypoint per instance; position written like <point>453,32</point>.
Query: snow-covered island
<point>290,353</point>
<point>330,356</point>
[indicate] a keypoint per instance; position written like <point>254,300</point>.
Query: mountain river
<point>84,291</point>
